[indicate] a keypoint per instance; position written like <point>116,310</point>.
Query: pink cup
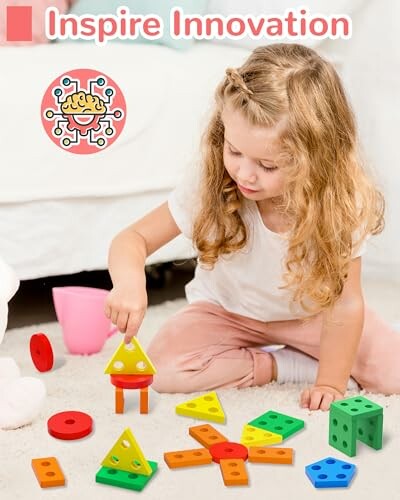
<point>80,312</point>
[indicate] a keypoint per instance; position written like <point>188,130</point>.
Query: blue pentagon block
<point>330,473</point>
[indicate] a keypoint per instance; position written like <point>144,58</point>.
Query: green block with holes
<point>125,479</point>
<point>355,418</point>
<point>278,423</point>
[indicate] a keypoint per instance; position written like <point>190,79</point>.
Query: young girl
<point>278,214</point>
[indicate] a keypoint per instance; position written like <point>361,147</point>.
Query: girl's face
<point>250,154</point>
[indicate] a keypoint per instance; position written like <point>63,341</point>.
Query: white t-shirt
<point>245,282</point>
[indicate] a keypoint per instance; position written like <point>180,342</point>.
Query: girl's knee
<point>375,379</point>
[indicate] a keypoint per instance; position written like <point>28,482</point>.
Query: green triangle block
<point>124,479</point>
<point>278,423</point>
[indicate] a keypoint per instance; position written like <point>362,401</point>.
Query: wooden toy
<point>119,400</point>
<point>69,425</point>
<point>41,352</point>
<point>206,435</point>
<point>127,455</point>
<point>130,368</point>
<point>278,423</point>
<point>125,465</point>
<point>330,473</point>
<point>206,407</point>
<point>259,454</point>
<point>130,359</point>
<point>230,456</point>
<point>125,479</point>
<point>140,382</point>
<point>233,472</point>
<point>187,458</point>
<point>252,436</point>
<point>48,472</point>
<point>355,418</point>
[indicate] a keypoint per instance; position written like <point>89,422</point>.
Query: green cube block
<point>125,479</point>
<point>278,423</point>
<point>355,418</point>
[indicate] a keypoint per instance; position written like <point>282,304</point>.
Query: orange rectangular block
<point>187,458</point>
<point>234,472</point>
<point>206,435</point>
<point>144,400</point>
<point>270,455</point>
<point>48,472</point>
<point>119,400</point>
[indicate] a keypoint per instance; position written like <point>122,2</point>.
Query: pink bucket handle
<point>113,330</point>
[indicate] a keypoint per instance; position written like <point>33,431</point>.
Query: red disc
<point>70,425</point>
<point>41,352</point>
<point>227,450</point>
<point>131,381</point>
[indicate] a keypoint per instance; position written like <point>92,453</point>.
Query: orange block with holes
<point>271,455</point>
<point>187,458</point>
<point>48,472</point>
<point>144,400</point>
<point>119,400</point>
<point>234,472</point>
<point>206,435</point>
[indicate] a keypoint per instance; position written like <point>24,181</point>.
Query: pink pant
<point>204,347</point>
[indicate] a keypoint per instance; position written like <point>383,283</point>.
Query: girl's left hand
<point>319,397</point>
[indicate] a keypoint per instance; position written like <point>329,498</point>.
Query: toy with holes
<point>330,473</point>
<point>130,368</point>
<point>48,472</point>
<point>355,418</point>
<point>206,407</point>
<point>125,465</point>
<point>230,456</point>
<point>270,428</point>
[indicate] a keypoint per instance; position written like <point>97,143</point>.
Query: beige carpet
<point>78,383</point>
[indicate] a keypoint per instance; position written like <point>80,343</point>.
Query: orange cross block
<point>48,472</point>
<point>187,458</point>
<point>206,435</point>
<point>271,455</point>
<point>233,472</point>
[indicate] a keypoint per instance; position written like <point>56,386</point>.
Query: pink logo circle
<point>83,111</point>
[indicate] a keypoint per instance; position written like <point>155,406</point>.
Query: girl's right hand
<point>126,306</point>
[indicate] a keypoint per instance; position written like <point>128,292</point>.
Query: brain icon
<point>83,103</point>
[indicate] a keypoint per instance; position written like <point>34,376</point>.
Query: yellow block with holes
<point>205,407</point>
<point>130,359</point>
<point>253,436</point>
<point>126,455</point>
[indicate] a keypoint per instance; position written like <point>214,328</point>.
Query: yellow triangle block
<point>252,436</point>
<point>205,407</point>
<point>126,455</point>
<point>130,359</point>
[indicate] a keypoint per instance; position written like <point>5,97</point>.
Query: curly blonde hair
<point>328,196</point>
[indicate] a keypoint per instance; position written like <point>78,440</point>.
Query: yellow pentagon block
<point>126,455</point>
<point>130,359</point>
<point>252,436</point>
<point>205,407</point>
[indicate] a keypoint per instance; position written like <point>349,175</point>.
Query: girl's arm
<point>127,302</point>
<point>339,343</point>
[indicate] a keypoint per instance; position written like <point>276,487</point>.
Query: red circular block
<point>228,450</point>
<point>131,381</point>
<point>41,352</point>
<point>69,425</point>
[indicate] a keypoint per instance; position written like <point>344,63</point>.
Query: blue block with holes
<point>330,473</point>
